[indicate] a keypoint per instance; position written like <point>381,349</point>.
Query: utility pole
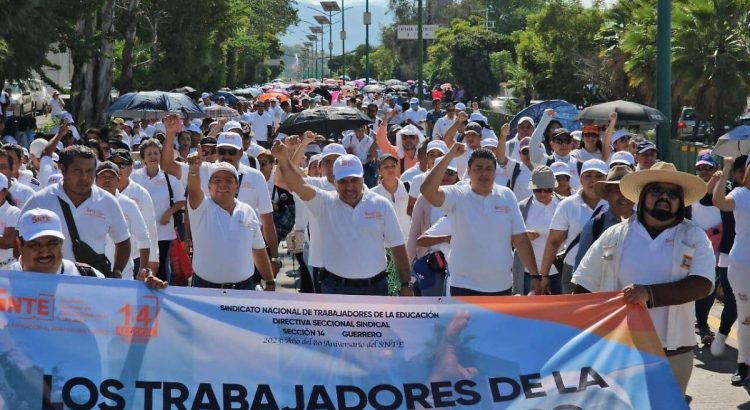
<point>664,74</point>
<point>343,41</point>
<point>367,20</point>
<point>420,49</point>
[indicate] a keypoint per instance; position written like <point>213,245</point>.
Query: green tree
<point>383,62</point>
<point>710,58</point>
<point>461,54</point>
<point>555,39</point>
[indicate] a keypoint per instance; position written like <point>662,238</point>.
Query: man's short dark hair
<point>436,101</point>
<point>739,162</point>
<point>483,153</point>
<point>151,142</point>
<point>16,150</point>
<point>4,154</point>
<point>69,154</point>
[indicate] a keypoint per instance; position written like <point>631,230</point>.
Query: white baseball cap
<point>347,165</point>
<point>477,116</point>
<point>577,135</point>
<point>453,165</point>
<point>560,168</point>
<point>204,95</point>
<point>620,134</point>
<point>159,128</point>
<point>595,165</point>
<point>414,100</point>
<point>229,139</point>
<point>314,148</point>
<point>313,159</point>
<point>489,142</point>
<point>223,166</point>
<point>194,129</point>
<point>438,145</point>
<point>622,157</point>
<point>461,106</point>
<point>230,125</point>
<point>128,123</point>
<point>39,222</point>
<point>37,147</point>
<point>68,117</point>
<point>527,119</point>
<point>255,150</point>
<point>332,149</point>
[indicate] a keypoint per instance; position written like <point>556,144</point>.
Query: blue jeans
<point>555,284</point>
<point>729,313</point>
<point>331,287</point>
<point>165,268</point>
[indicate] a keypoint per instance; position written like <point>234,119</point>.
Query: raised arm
<point>458,125</point>
<point>168,164</point>
<point>607,140</point>
<point>381,137</point>
<point>430,188</point>
<point>52,144</point>
<point>194,191</point>
<point>500,151</point>
<point>537,155</point>
<point>293,179</point>
<point>720,199</point>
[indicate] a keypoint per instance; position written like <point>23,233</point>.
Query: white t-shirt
<point>67,268</point>
<point>441,227</point>
<point>409,174</point>
<point>159,192</point>
<point>315,252</point>
<point>95,218</point>
<point>571,215</point>
<point>20,192</point>
<point>142,198</point>
<point>260,125</point>
<point>521,188</point>
<point>47,168</point>
<point>26,177</point>
<point>223,242</point>
<point>706,217</point>
<point>441,127</point>
<point>539,219</point>
<point>740,253</point>
<point>415,116</point>
<point>9,215</point>
<point>139,238</point>
<point>399,200</point>
<point>56,107</point>
<point>582,155</point>
<point>355,238</point>
<point>658,253</point>
<point>416,184</point>
<point>358,147</point>
<point>481,249</point>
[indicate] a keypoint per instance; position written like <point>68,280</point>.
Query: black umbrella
<point>394,81</point>
<point>628,113</point>
<point>323,93</point>
<point>324,120</point>
<point>185,90</point>
<point>154,104</point>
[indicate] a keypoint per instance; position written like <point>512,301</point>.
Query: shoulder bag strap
<point>578,237</point>
<point>169,187</point>
<point>72,230</point>
<point>239,185</point>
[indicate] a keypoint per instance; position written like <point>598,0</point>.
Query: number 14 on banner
<point>139,322</point>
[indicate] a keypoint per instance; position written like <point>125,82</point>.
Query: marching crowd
<point>417,202</point>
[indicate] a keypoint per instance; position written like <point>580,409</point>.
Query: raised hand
<point>457,150</point>
<point>172,124</point>
<point>279,150</point>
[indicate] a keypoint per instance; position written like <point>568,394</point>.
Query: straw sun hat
<point>692,186</point>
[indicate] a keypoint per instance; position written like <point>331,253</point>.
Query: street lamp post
<point>319,30</point>
<point>420,50</point>
<point>367,20</point>
<point>314,40</point>
<point>330,7</point>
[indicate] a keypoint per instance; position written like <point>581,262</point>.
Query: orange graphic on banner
<point>139,323</point>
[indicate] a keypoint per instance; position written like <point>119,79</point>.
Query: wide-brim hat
<point>615,175</point>
<point>693,187</point>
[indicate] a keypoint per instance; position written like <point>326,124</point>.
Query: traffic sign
<point>410,32</point>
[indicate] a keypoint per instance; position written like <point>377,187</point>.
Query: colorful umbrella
<point>219,111</point>
<point>277,95</point>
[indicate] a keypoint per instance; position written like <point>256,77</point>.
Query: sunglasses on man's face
<point>563,140</point>
<point>704,168</point>
<point>450,172</point>
<point>227,151</point>
<point>562,178</point>
<point>658,191</point>
<point>543,191</point>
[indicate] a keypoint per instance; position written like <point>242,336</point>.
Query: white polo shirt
<point>159,192</point>
<point>571,215</point>
<point>95,218</point>
<point>441,227</point>
<point>399,200</point>
<point>415,116</point>
<point>253,186</point>
<point>315,251</point>
<point>47,168</point>
<point>441,127</point>
<point>416,184</point>
<point>9,215</point>
<point>142,199</point>
<point>481,249</point>
<point>260,125</point>
<point>26,177</point>
<point>355,238</point>
<point>411,173</point>
<point>139,238</point>
<point>223,242</point>
<point>739,253</point>
<point>521,188</point>
<point>20,192</point>
<point>538,219</point>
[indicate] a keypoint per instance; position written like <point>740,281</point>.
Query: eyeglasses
<point>658,191</point>
<point>703,168</point>
<point>119,164</point>
<point>227,151</point>
<point>590,135</point>
<point>209,151</point>
<point>562,178</point>
<point>543,190</point>
<point>563,140</point>
<point>450,172</point>
<point>524,152</point>
<point>264,163</point>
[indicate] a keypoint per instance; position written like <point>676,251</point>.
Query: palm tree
<point>711,57</point>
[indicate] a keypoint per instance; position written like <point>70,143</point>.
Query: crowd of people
<point>416,203</point>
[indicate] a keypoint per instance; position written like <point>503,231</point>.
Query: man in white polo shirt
<point>357,224</point>
<point>252,185</point>
<point>95,213</point>
<point>435,150</point>
<point>486,224</point>
<point>225,230</point>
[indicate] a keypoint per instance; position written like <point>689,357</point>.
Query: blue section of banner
<point>115,342</point>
